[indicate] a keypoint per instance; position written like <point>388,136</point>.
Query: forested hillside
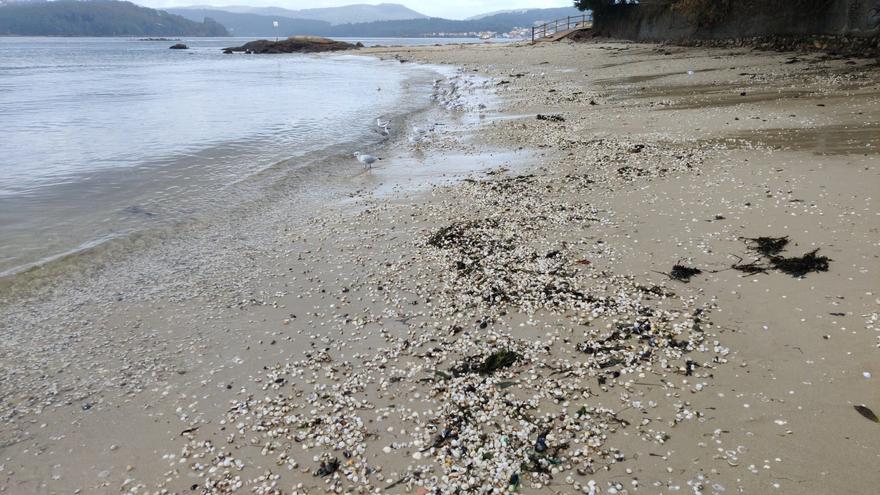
<point>98,18</point>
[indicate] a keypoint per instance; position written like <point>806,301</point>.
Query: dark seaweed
<point>867,413</point>
<point>799,266</point>
<point>752,268</point>
<point>488,365</point>
<point>551,118</point>
<point>768,246</point>
<point>683,273</point>
<point>497,361</point>
<point>327,468</point>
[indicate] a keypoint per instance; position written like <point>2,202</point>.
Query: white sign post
<point>275,27</point>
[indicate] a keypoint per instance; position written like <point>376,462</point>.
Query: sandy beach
<point>594,268</point>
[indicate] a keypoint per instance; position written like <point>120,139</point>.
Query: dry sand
<point>362,335</point>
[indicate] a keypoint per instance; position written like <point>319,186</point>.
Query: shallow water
<point>105,138</point>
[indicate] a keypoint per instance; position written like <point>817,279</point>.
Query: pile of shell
<point>470,397</point>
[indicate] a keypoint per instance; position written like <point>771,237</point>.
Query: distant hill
<point>356,13</point>
<point>539,14</point>
<point>487,14</point>
<point>97,18</point>
<point>526,18</point>
<point>244,24</point>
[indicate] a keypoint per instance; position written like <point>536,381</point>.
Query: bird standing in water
<point>366,160</point>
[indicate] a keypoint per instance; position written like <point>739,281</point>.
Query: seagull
<point>367,160</point>
<point>385,125</point>
<point>418,134</point>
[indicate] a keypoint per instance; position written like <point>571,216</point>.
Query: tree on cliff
<point>595,5</point>
<point>601,8</point>
<point>875,16</point>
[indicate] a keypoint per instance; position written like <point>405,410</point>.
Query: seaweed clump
<point>769,248</point>
<point>455,235</point>
<point>799,266</point>
<point>551,118</point>
<point>488,365</point>
<point>683,273</point>
<point>327,468</point>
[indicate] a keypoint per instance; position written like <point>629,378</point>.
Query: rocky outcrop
<point>294,44</point>
<point>659,20</point>
<point>179,46</point>
<point>845,46</point>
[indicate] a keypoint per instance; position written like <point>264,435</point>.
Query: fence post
<point>533,34</point>
<point>568,23</point>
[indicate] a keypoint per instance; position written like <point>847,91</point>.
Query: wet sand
<point>511,324</point>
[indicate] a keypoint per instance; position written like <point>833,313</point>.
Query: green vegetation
<point>603,8</point>
<point>600,5</point>
<point>98,18</point>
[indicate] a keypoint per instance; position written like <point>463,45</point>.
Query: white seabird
<point>385,125</point>
<point>419,133</point>
<point>367,160</point>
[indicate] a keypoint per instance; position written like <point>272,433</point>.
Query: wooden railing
<point>549,29</point>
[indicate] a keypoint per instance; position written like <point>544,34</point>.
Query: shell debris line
<point>470,393</point>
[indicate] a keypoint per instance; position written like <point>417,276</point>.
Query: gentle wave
<point>141,140</point>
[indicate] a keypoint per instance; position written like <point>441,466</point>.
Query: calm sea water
<point>104,137</point>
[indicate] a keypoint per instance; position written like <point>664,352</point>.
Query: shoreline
<point>148,271</point>
<point>97,255</point>
<point>163,183</point>
<point>368,338</point>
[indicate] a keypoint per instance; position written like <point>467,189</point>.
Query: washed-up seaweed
<point>799,266</point>
<point>867,413</point>
<point>189,430</point>
<point>753,268</point>
<point>327,468</point>
<point>683,273</point>
<point>451,234</point>
<point>551,118</point>
<point>768,246</point>
<point>488,365</point>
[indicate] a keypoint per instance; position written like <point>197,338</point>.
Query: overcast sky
<point>450,9</point>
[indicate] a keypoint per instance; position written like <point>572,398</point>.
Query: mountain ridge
<point>98,18</point>
<point>122,18</point>
<point>261,25</point>
<point>495,12</point>
<point>346,14</point>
